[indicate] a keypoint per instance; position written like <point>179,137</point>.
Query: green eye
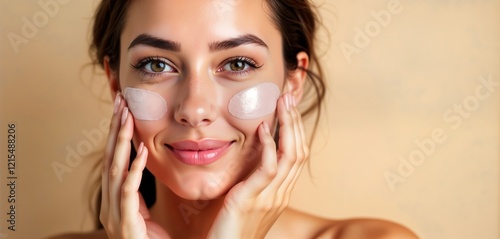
<point>157,66</point>
<point>237,65</point>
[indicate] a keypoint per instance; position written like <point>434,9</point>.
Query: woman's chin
<point>207,190</point>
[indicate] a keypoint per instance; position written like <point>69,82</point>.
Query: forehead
<point>198,22</point>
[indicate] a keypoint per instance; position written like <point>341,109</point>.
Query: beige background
<point>394,90</point>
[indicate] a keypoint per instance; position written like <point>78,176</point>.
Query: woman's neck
<point>183,218</point>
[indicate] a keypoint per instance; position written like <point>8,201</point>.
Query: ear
<point>296,78</point>
<point>113,79</point>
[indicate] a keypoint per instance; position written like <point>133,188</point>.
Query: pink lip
<point>199,152</point>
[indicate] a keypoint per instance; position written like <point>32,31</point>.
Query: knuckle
<point>271,172</point>
<point>267,205</point>
<point>307,153</point>
<point>127,190</point>
<point>283,205</point>
<point>113,170</point>
<point>294,158</point>
<point>300,157</point>
<point>268,141</point>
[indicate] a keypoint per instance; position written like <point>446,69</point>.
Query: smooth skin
<point>250,208</point>
<point>252,201</point>
<point>128,217</point>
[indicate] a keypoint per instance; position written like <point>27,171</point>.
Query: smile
<point>199,152</point>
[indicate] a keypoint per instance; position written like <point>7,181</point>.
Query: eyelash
<point>139,66</point>
<point>248,61</point>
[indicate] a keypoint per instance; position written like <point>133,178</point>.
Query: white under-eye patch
<point>254,102</point>
<point>145,104</point>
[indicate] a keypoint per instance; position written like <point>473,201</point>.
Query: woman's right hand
<point>123,211</point>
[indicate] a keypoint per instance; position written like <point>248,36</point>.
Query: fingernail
<point>118,100</point>
<point>140,148</point>
<point>124,115</point>
<point>287,102</point>
<point>266,127</point>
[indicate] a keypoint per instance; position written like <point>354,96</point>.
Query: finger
<point>119,166</point>
<point>266,171</point>
<point>108,152</point>
<point>130,202</point>
<point>302,154</point>
<point>303,136</point>
<point>113,130</point>
<point>300,144</point>
<point>143,207</point>
<point>286,135</point>
<point>299,137</point>
<point>287,152</point>
<point>299,170</point>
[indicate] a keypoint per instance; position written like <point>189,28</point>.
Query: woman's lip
<point>205,144</point>
<point>199,152</point>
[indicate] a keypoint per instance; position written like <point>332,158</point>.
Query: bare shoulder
<point>99,234</point>
<point>296,224</point>
<point>369,228</point>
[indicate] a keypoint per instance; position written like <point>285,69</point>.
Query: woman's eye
<point>157,66</point>
<point>236,65</point>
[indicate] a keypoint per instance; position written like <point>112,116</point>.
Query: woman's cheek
<point>148,108</point>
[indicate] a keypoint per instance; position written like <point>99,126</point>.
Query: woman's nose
<point>196,106</point>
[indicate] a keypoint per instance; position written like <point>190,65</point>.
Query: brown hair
<point>295,19</point>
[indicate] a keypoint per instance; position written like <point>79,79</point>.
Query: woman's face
<point>208,73</point>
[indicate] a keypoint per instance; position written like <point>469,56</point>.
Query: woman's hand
<point>123,211</point>
<point>252,206</point>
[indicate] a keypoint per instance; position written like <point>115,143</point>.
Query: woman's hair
<point>296,20</point>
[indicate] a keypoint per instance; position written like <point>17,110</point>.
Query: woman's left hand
<point>252,206</point>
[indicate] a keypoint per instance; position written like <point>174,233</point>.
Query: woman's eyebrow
<point>235,42</point>
<point>149,40</point>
